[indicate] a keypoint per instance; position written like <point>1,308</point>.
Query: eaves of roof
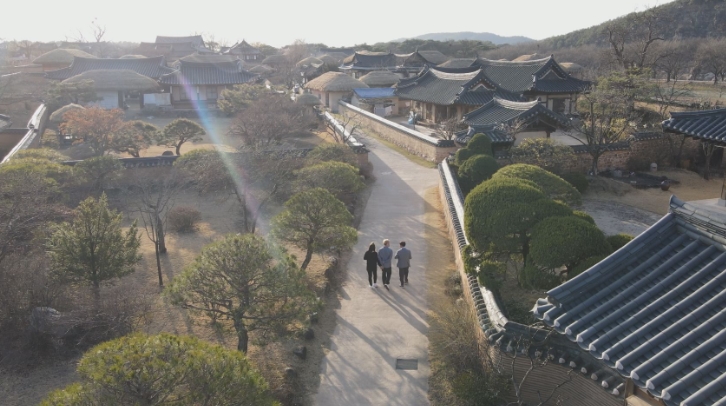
<point>655,310</point>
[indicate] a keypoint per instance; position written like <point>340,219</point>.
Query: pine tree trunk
<point>308,257</point>
<point>178,148</point>
<point>242,336</point>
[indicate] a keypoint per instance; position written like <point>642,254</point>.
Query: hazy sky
<point>280,22</point>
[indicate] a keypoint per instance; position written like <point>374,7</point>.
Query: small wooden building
<point>111,86</point>
<point>331,87</point>
<point>199,84</point>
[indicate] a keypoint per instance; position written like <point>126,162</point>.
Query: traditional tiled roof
<point>197,40</point>
<point>539,76</point>
<point>242,48</point>
<point>452,86</point>
<point>150,67</point>
<point>655,310</point>
<point>457,63</point>
<point>421,59</point>
<point>709,125</point>
<point>498,112</point>
<point>497,137</point>
<point>191,73</point>
<point>375,93</point>
<point>370,61</point>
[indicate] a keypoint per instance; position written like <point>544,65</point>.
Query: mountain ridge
<point>470,35</point>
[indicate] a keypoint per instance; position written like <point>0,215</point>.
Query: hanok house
<point>332,87</point>
<point>111,86</point>
<point>245,52</point>
<point>413,62</point>
<point>655,310</point>
<point>381,101</point>
<point>199,84</point>
<point>540,79</point>
<point>152,68</point>
<point>502,117</point>
<point>439,94</point>
<point>173,48</point>
<point>362,62</point>
<point>59,58</point>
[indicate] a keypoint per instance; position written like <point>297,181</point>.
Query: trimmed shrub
<point>536,278</point>
<point>617,241</point>
<point>584,216</point>
<point>578,180</point>
<point>480,144</point>
<point>99,172</point>
<point>565,241</point>
<point>493,213</point>
<point>551,185</point>
<point>327,151</point>
<point>476,170</point>
<point>183,219</point>
<point>584,266</point>
<point>462,155</point>
<point>40,153</point>
<point>338,178</point>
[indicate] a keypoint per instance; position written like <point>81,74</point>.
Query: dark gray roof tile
<point>658,313</point>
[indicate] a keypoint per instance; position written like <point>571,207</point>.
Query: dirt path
<point>376,327</point>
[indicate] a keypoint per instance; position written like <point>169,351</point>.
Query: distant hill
<point>683,19</point>
<point>468,35</point>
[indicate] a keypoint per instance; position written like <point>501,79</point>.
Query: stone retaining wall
<point>430,148</point>
<point>497,334</point>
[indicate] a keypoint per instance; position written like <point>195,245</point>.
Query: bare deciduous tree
<point>632,39</point>
<point>156,197</point>
<point>447,129</point>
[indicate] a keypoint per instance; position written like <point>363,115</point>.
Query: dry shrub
<point>461,376</point>
<point>183,219</point>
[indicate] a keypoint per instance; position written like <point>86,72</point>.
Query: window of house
<point>211,92</point>
<point>182,93</point>
<point>558,106</point>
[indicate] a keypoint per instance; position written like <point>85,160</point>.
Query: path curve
<point>376,327</point>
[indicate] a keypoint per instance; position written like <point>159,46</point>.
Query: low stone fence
<point>500,336</point>
<point>430,148</point>
<point>637,153</point>
<point>358,147</point>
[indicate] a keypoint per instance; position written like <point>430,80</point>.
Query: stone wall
<point>586,379</point>
<point>636,154</point>
<point>427,147</point>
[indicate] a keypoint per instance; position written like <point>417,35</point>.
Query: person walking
<point>372,263</point>
<point>403,255</point>
<point>385,255</point>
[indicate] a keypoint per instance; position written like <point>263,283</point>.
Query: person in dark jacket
<point>372,264</point>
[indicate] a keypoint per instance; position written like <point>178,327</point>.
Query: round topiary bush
<point>476,170</point>
<point>578,180</point>
<point>565,241</point>
<point>550,184</point>
<point>584,216</point>
<point>480,144</point>
<point>617,241</point>
<point>183,219</point>
<point>327,151</point>
<point>462,155</point>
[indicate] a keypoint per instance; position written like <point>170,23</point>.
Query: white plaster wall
<point>107,100</point>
